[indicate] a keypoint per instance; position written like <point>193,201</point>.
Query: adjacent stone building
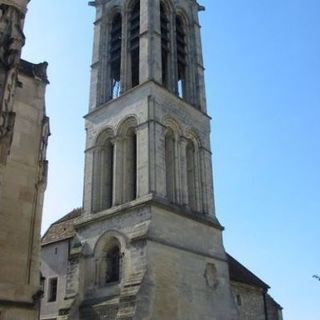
<point>24,130</point>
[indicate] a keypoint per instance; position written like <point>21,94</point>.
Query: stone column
<point>198,181</point>
<point>183,177</point>
<point>150,41</point>
<point>143,164</point>
<point>117,171</point>
<point>200,92</point>
<point>96,67</point>
<point>89,193</point>
<point>207,181</point>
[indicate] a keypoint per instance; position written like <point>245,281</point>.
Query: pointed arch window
<point>181,58</point>
<point>170,165</point>
<point>115,55</point>
<point>165,41</point>
<point>113,264</point>
<point>135,43</point>
<point>191,176</point>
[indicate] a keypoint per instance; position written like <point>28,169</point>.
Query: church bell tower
<point>151,245</point>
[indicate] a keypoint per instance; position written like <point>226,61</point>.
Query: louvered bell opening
<point>164,23</point>
<point>135,43</point>
<point>115,56</point>
<point>181,49</point>
<point>181,58</point>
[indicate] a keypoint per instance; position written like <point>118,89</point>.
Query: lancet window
<point>115,56</point>
<point>134,44</point>
<point>113,265</point>
<point>181,58</point>
<point>165,44</point>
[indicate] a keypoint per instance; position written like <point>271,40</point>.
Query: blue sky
<point>262,61</point>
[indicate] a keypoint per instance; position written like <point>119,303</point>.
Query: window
<point>113,265</point>
<point>164,24</point>
<point>52,290</point>
<point>115,55</point>
<point>135,43</point>
<point>239,300</point>
<point>170,164</point>
<point>181,58</point>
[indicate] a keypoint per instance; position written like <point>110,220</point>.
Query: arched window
<point>113,264</point>
<point>170,165</point>
<point>130,168</point>
<point>135,42</point>
<point>181,58</point>
<point>165,41</point>
<point>115,55</point>
<point>103,176</point>
<point>191,176</point>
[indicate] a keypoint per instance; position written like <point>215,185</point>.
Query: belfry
<point>148,244</point>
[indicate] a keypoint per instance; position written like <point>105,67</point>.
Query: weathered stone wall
<point>23,178</point>
<point>250,302</point>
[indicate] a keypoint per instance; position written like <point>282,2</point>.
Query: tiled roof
<point>62,229</point>
<point>239,273</point>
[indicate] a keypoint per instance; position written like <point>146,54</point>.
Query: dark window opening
<point>181,58</point>
<point>164,24</point>
<point>239,300</point>
<point>113,265</point>
<point>135,43</point>
<point>115,56</point>
<point>53,288</point>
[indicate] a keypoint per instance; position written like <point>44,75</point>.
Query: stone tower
<point>148,244</point>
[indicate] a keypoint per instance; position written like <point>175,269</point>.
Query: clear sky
<point>262,61</point>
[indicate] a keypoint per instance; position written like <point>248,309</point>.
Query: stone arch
<point>104,134</point>
<point>108,271</point>
<point>193,135</point>
<point>130,122</point>
<point>170,122</point>
<point>111,12</point>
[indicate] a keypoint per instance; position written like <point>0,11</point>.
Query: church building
<point>147,243</point>
<point>24,131</point>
